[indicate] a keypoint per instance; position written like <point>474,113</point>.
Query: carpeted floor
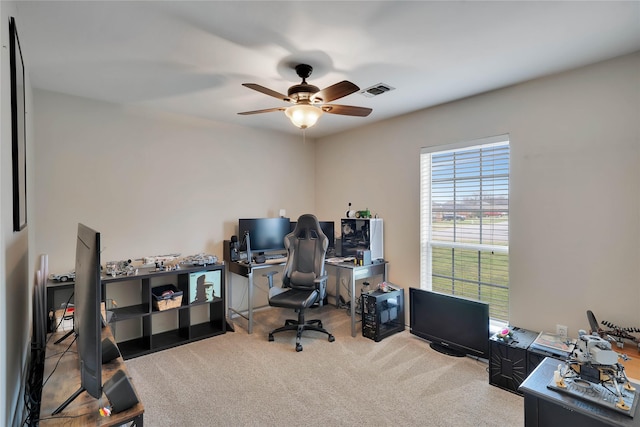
<point>239,379</point>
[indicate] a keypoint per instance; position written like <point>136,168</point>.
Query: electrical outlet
<point>562,330</point>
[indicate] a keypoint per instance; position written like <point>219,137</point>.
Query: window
<point>464,221</point>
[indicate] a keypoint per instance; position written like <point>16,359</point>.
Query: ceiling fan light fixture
<point>303,115</point>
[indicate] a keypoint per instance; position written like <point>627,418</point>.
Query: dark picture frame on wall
<point>18,130</point>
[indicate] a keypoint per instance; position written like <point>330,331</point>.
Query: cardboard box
<point>64,320</point>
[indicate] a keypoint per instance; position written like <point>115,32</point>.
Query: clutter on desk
<point>168,262</point>
<point>200,259</point>
<point>63,317</point>
<point>387,287</point>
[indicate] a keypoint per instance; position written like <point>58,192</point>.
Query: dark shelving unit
<point>195,320</point>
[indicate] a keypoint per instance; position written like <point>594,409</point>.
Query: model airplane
<point>158,260</point>
<point>120,268</point>
<point>614,333</point>
<point>200,259</point>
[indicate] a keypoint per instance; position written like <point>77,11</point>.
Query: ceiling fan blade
<point>267,91</point>
<point>336,91</point>
<point>268,110</point>
<point>347,110</point>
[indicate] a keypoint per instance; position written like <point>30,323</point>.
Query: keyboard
<point>275,256</point>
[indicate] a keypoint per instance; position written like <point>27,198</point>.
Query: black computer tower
<point>509,359</point>
<point>382,313</point>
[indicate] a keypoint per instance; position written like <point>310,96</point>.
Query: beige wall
<point>574,207</point>
<point>154,183</point>
<point>17,262</point>
<point>574,213</point>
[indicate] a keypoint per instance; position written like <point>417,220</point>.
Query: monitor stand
<point>446,350</point>
<point>68,401</point>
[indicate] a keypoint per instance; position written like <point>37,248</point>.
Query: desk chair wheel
<point>271,337</point>
<point>331,338</point>
<point>298,347</point>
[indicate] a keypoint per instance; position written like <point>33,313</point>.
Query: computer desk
<point>246,270</point>
<point>355,272</point>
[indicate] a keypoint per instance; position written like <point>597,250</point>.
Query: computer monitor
<point>87,315</point>
<point>266,234</point>
<point>328,228</point>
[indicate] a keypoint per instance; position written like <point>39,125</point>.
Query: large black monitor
<point>87,315</point>
<point>455,326</point>
<point>266,234</point>
<point>328,228</point>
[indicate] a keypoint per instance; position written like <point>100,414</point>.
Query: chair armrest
<point>269,276</point>
<point>318,280</point>
<point>320,283</point>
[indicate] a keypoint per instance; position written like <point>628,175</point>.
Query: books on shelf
<point>554,344</point>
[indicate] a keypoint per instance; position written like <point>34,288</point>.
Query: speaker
<point>234,248</point>
<point>109,351</point>
<point>119,391</point>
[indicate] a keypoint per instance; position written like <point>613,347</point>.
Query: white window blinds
<point>465,221</point>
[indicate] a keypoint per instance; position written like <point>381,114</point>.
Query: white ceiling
<point>192,57</point>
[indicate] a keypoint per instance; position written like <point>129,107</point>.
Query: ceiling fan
<point>309,101</point>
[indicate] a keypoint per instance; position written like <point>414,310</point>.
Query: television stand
<point>446,350</point>
<point>79,407</point>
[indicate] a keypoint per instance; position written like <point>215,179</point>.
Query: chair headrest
<point>305,223</point>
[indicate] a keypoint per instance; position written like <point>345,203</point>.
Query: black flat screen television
<point>265,234</point>
<point>87,315</point>
<point>328,228</point>
<point>454,325</point>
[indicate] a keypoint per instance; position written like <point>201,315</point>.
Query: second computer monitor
<point>328,228</point>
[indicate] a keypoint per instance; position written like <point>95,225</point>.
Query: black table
<point>546,407</point>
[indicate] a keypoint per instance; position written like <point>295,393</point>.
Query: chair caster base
<point>271,337</point>
<point>331,338</point>
<point>298,347</point>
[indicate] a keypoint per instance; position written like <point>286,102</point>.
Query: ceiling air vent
<point>376,90</point>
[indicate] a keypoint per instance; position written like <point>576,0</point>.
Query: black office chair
<point>304,281</point>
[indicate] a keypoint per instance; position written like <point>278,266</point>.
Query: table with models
<point>546,407</point>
